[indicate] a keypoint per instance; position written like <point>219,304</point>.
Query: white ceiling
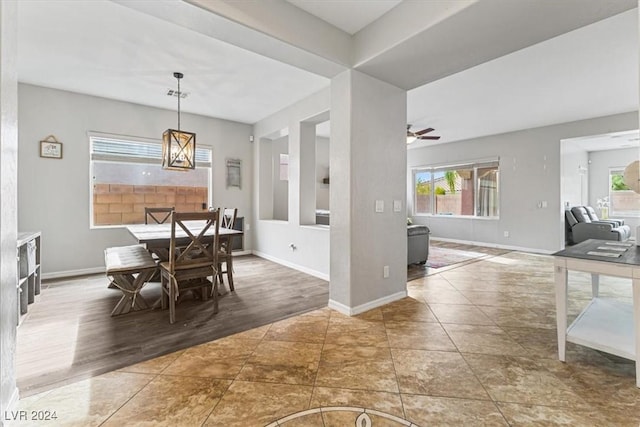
<point>589,72</point>
<point>610,141</point>
<point>101,48</point>
<point>105,49</point>
<point>349,15</point>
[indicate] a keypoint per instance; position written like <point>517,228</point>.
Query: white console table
<point>607,325</point>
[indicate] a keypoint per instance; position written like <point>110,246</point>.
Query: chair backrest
<point>197,241</point>
<point>592,213</point>
<point>228,217</point>
<point>570,219</point>
<point>581,214</point>
<point>157,215</point>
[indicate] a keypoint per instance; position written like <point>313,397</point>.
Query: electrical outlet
<point>385,272</point>
<point>506,234</point>
<point>397,205</point>
<point>379,206</point>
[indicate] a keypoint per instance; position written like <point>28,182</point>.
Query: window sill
<point>481,218</point>
<point>273,221</point>
<point>614,215</point>
<point>315,226</point>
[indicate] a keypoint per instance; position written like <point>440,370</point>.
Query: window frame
<point>611,207</point>
<point>140,160</point>
<point>473,165</point>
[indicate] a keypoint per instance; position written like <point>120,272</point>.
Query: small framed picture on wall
<point>51,148</point>
<point>234,173</point>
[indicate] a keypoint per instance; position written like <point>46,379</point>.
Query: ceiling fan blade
<point>423,131</point>
<point>434,138</point>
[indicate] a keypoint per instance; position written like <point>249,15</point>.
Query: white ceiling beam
<point>274,29</point>
<point>419,42</point>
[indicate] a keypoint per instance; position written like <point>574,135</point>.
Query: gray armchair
<point>417,244</point>
<point>580,227</point>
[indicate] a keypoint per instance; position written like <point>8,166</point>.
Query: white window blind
<point>110,149</point>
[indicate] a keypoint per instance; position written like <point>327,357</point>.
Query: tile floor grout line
<point>395,372</point>
<point>462,355</point>
<point>313,386</point>
<point>315,379</point>
<point>239,370</point>
<point>495,404</point>
<point>217,403</point>
<point>129,399</point>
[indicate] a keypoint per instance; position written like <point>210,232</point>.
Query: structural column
<point>8,203</point>
<point>368,177</point>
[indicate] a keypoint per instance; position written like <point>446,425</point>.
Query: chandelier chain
<point>179,94</point>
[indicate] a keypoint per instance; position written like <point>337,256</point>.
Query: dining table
<point>157,237</point>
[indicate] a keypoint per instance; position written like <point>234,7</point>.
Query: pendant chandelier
<point>631,176</point>
<point>178,147</point>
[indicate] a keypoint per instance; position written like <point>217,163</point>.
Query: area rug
<point>440,257</point>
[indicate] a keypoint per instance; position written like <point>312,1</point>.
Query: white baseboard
<point>352,311</point>
<point>289,264</point>
<point>72,273</point>
<point>495,245</point>
<point>240,253</point>
<point>96,270</point>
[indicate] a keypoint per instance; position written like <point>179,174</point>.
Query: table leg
<point>595,285</point>
<point>561,309</point>
<point>130,286</point>
<point>636,322</point>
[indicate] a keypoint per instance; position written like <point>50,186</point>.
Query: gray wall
<point>272,239</point>
<point>53,195</point>
<point>575,174</point>
<point>322,171</point>
<point>530,172</point>
<point>280,187</point>
<point>8,205</point>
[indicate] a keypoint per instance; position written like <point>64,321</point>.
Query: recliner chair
<point>580,227</point>
<point>592,214</point>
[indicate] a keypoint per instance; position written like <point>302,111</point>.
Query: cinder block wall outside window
<point>116,204</point>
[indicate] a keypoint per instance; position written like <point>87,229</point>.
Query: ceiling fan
<point>413,136</point>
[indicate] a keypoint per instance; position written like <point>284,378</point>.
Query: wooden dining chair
<point>157,215</point>
<point>190,267</point>
<point>227,219</point>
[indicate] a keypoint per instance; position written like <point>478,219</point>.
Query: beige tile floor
<point>473,345</point>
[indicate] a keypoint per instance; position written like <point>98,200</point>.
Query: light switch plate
<point>379,206</point>
<point>397,205</point>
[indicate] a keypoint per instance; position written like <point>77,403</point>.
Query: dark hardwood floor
<point>69,334</point>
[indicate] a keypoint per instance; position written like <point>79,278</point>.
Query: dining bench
<point>129,268</point>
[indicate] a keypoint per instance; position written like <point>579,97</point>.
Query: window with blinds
<point>126,177</point>
<point>137,151</point>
